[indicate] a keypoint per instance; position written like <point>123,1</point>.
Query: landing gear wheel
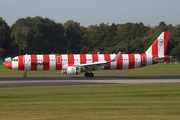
<point>91,75</point>
<point>86,74</point>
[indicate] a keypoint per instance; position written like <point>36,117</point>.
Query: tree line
<point>42,35</point>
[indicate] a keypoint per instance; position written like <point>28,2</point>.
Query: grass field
<point>92,102</point>
<point>158,69</point>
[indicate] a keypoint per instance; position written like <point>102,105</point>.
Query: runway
<point>81,80</point>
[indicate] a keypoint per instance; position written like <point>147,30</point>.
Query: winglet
<point>116,57</point>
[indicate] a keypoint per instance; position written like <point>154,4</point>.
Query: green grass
<point>158,69</point>
<point>92,102</point>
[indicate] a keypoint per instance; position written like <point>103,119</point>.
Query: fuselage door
<point>58,62</point>
<point>143,59</point>
<point>58,59</point>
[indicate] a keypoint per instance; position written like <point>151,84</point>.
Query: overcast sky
<point>91,12</point>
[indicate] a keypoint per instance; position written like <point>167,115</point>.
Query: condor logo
<point>39,63</point>
<point>160,41</point>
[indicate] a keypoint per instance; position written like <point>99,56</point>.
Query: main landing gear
<point>88,74</point>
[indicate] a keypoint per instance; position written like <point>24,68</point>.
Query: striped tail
<point>158,48</point>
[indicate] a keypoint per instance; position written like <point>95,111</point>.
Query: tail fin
<point>158,48</point>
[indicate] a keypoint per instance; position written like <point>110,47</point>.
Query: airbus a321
<point>74,64</point>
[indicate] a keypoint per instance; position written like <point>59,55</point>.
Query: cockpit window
<point>15,59</point>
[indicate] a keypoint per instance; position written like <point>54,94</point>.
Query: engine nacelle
<point>72,71</point>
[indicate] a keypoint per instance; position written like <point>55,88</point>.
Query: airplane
<point>74,64</point>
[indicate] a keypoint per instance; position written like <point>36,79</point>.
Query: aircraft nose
<point>8,65</point>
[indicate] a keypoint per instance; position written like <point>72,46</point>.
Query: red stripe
<point>82,58</point>
<point>33,62</point>
<point>21,62</point>
<point>155,48</point>
<point>166,37</point>
<point>119,62</point>
<point>131,61</point>
<point>143,59</point>
<point>94,58</point>
<point>58,62</point>
<point>107,58</point>
<point>70,59</point>
<point>46,62</point>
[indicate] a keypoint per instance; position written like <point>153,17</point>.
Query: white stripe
<point>52,62</point>
<point>149,59</point>
<point>39,60</point>
<point>113,64</point>
<point>77,59</point>
<point>161,44</point>
<point>101,58</point>
<point>27,65</point>
<point>88,58</point>
<point>125,61</point>
<point>15,65</point>
<point>149,52</point>
<point>137,60</point>
<point>64,61</point>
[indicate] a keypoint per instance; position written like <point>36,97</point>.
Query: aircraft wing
<point>96,65</point>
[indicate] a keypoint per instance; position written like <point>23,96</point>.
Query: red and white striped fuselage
<point>62,61</point>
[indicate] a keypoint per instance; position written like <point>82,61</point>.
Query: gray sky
<point>91,12</point>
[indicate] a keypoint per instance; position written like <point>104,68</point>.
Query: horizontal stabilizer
<point>162,58</point>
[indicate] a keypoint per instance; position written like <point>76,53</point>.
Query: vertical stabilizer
<point>158,48</point>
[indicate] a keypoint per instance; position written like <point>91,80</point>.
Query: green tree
<point>59,42</point>
<point>175,52</point>
<point>136,46</point>
<point>5,40</point>
<point>84,44</point>
<point>20,36</point>
<point>73,36</point>
<point>38,35</point>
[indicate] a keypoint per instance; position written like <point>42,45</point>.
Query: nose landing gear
<point>25,74</point>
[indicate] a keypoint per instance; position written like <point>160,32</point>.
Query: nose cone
<point>8,65</point>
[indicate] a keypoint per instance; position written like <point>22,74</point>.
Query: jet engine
<point>72,71</point>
